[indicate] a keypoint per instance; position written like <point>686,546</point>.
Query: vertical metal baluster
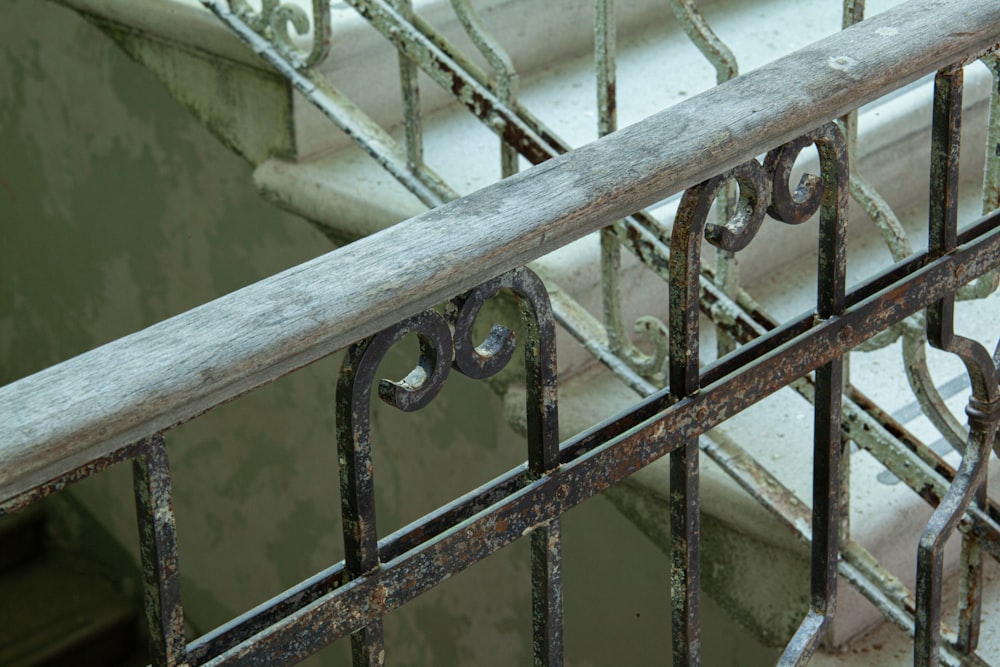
<point>854,12</point>
<point>409,83</point>
<point>991,177</point>
<point>357,492</point>
<point>158,551</point>
<point>506,76</point>
<point>543,458</point>
<point>983,408</point>
<point>724,61</point>
<point>946,135</point>
<point>831,449</point>
<point>685,380</point>
<point>605,62</point>
<point>685,543</point>
<point>970,585</point>
<point>650,366</point>
<point>685,527</point>
<point>605,65</point>
<point>546,594</point>
<point>541,410</point>
<point>828,443</point>
<point>354,447</point>
<point>988,283</point>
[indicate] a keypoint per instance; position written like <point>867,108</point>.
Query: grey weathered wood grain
<point>66,415</point>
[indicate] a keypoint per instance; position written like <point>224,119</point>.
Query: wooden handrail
<point>84,408</point>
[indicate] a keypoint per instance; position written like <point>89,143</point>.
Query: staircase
<point>305,186</point>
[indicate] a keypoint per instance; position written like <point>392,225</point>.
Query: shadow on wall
<point>118,210</point>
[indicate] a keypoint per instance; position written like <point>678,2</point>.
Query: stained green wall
<point>117,209</point>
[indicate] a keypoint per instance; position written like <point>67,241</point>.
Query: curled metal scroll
<point>446,342</point>
<point>988,282</point>
<point>685,257</point>
<point>830,193</point>
<point>354,389</point>
<point>493,354</point>
<point>650,366</point>
<point>796,207</point>
<point>354,451</point>
<point>274,21</point>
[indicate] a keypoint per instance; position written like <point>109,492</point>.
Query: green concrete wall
<point>118,209</point>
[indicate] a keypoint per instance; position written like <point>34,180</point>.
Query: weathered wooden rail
<point>73,419</point>
<point>85,408</point>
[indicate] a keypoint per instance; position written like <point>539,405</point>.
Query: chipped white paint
<point>887,32</point>
<point>842,63</point>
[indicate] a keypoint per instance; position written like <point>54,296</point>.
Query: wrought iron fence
<point>707,145</point>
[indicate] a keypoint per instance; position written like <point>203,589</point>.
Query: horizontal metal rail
<point>330,606</point>
<point>67,416</point>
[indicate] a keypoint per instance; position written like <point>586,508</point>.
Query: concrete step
<point>889,646</point>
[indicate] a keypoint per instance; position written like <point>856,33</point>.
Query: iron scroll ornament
<point>763,189</point>
<point>275,18</point>
<point>445,344</point>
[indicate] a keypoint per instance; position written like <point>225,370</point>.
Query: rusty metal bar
<point>44,490</point>
<point>827,441</point>
<point>984,405</point>
<point>158,551</point>
<point>494,516</point>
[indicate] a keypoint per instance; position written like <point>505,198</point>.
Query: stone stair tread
<point>58,608</point>
<point>889,646</point>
